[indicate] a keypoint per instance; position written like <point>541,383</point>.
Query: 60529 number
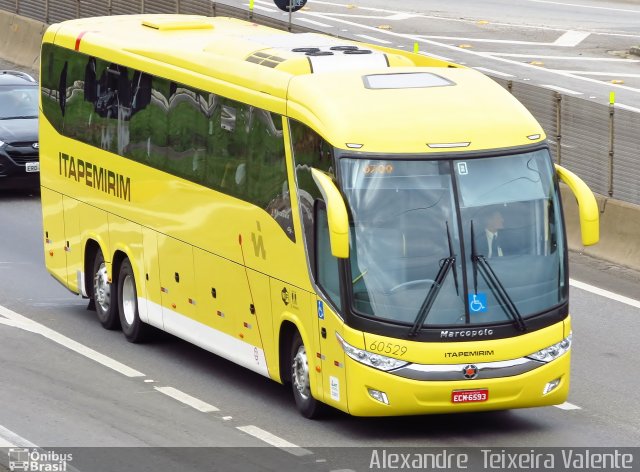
<point>388,348</point>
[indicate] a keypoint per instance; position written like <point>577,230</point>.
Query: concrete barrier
<point>6,40</point>
<point>619,230</point>
<point>20,39</point>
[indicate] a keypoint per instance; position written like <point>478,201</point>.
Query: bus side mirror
<point>336,214</point>
<point>587,206</point>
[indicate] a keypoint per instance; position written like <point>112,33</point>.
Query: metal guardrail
<point>599,143</point>
<point>53,11</point>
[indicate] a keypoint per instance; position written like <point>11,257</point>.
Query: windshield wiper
<point>481,264</point>
<point>446,265</point>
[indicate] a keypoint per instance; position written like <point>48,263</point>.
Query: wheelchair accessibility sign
<point>477,303</point>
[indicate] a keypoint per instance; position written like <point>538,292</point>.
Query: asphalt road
<point>578,47</point>
<point>60,394</point>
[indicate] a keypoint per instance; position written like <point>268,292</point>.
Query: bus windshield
<point>454,242</point>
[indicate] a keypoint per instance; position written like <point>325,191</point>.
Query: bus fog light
<point>379,396</point>
<point>551,386</point>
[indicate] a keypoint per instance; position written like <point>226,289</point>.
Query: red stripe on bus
<point>78,39</point>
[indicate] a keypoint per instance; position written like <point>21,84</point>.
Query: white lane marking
<point>399,14</point>
<point>333,4</point>
<point>605,293</point>
<point>274,440</point>
<point>22,322</point>
<point>315,23</point>
<point>487,40</point>
<point>565,58</point>
<point>13,324</point>
<point>396,17</point>
<point>258,7</point>
<point>568,406</point>
<point>561,89</point>
<point>627,107</point>
<point>516,63</point>
<point>420,39</point>
<point>569,42</point>
<point>585,6</point>
<point>187,399</point>
<point>10,439</point>
<point>601,74</point>
<point>493,72</point>
<point>371,38</point>
<point>436,56</point>
<point>571,38</point>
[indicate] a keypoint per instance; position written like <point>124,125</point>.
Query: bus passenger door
<point>53,227</point>
<point>176,282</point>
<point>72,242</point>
<point>233,302</point>
<point>260,318</point>
<point>333,368</point>
<point>327,276</point>
<point>152,312</point>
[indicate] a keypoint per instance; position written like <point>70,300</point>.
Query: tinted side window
<point>310,150</point>
<point>199,136</point>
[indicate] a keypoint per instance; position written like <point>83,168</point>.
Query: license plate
<point>470,396</point>
<point>32,167</point>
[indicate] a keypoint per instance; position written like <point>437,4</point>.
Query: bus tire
<point>132,326</point>
<point>308,406</point>
<point>104,294</point>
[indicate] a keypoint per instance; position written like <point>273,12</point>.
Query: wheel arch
<point>118,256</point>
<point>91,248</point>
<point>285,337</point>
<point>289,326</point>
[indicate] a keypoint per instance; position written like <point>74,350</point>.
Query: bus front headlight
<point>552,352</point>
<point>372,359</point>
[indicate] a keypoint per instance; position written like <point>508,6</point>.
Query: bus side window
<point>187,132</point>
<point>310,150</point>
<point>141,95</point>
<point>90,83</point>
<point>326,274</point>
<point>53,60</point>
<point>62,88</point>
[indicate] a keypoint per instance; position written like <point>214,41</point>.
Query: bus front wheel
<point>133,328</point>
<point>307,405</point>
<point>104,294</point>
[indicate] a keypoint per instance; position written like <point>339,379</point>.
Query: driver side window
<point>327,274</point>
<point>312,151</point>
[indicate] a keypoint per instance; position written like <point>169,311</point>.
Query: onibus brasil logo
<point>38,460</point>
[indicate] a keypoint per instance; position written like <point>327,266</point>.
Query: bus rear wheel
<point>104,294</point>
<point>132,326</point>
<point>308,406</point>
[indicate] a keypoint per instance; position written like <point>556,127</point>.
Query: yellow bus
<point>317,210</point>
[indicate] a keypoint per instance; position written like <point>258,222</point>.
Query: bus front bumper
<point>369,389</point>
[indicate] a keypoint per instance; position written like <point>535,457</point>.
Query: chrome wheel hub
<point>300,369</point>
<point>129,301</point>
<point>102,288</point>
